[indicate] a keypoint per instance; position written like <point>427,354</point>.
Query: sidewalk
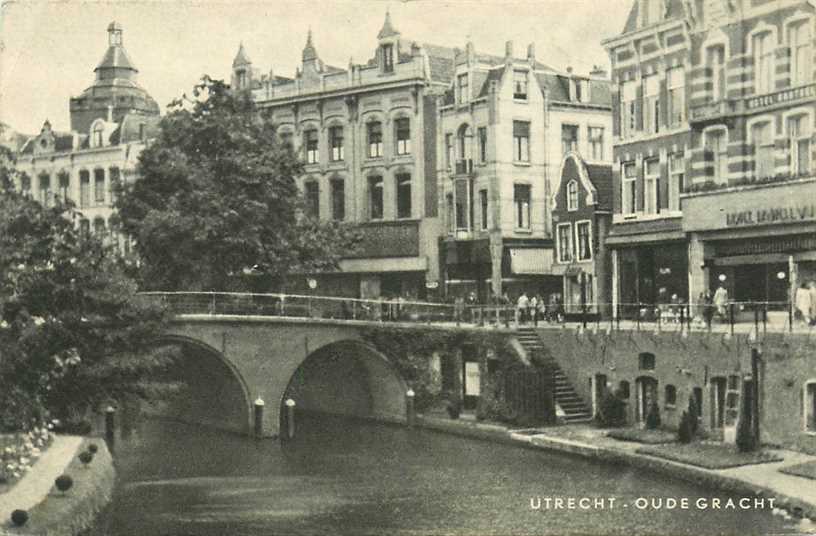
<point>794,494</point>
<point>37,483</point>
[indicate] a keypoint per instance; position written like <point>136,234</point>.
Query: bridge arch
<point>216,392</point>
<point>348,377</point>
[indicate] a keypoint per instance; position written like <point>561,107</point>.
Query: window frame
<point>402,179</point>
<point>631,181</point>
<point>595,135</point>
<point>376,183</point>
<point>577,240</point>
<point>799,139</point>
<point>565,254</point>
<point>801,51</point>
<point>651,103</point>
<point>99,194</point>
<point>570,144</point>
<point>522,212</point>
<point>651,186</point>
<point>463,88</point>
<point>311,146</point>
<point>720,156</point>
<point>572,195</point>
<point>374,131</point>
<point>337,152</point>
<point>676,94</point>
<point>335,204</point>
<point>388,57</point>
<point>763,58</point>
<point>809,407</point>
<point>484,209</point>
<point>764,168</point>
<point>677,178</point>
<point>482,135</point>
<point>628,116</point>
<point>521,143</point>
<point>718,80</point>
<point>402,136</point>
<point>521,84</point>
<point>311,197</point>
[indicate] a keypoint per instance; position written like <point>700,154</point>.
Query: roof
<point>241,58</point>
<point>674,10</point>
<point>492,75</point>
<point>116,58</point>
<point>601,178</point>
<point>388,29</point>
<point>440,60</point>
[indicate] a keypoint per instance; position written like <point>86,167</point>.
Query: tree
<point>217,195</point>
<point>73,335</point>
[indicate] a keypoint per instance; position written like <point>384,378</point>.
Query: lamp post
<point>259,411</point>
<point>409,407</point>
<point>290,418</point>
<point>312,284</point>
<point>110,426</point>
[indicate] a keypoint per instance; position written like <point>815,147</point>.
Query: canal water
<point>350,478</point>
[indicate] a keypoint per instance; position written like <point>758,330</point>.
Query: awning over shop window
<point>531,260</point>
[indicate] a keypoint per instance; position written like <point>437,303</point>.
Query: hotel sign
<point>783,204</point>
<point>780,97</point>
<point>769,216</point>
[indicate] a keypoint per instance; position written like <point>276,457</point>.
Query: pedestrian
<point>533,309</point>
<point>720,301</point>
<point>812,289</point>
<point>521,308</point>
<point>707,307</point>
<point>803,303</point>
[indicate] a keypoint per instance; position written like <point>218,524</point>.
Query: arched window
<point>375,139</point>
<point>45,190</point>
<point>337,153</point>
<point>99,228</point>
<point>716,146</point>
<point>375,197</point>
<point>464,142</point>
<point>671,396</point>
<point>402,131</point>
<point>64,186</point>
<point>763,51</point>
<point>84,188</point>
<point>99,186</point>
<point>799,133</point>
<point>762,139</point>
<point>572,195</point>
<point>623,390</point>
<point>97,135</point>
<point>25,184</point>
<point>646,361</point>
<point>800,41</point>
<point>114,178</point>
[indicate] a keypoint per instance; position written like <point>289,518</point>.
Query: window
<point>99,229</point>
<point>651,186</point>
<point>450,213</point>
<point>651,104</point>
<point>762,138</point>
<point>572,195</point>
<point>388,58</point>
<point>84,228</point>
<point>596,143</point>
<point>623,389</point>
<point>521,197</point>
<point>569,138</point>
<point>763,50</point>
<point>521,141</point>
<point>799,38</point>
<point>99,186</point>
<point>463,89</point>
<point>646,361</point>
<point>310,136</point>
<point>628,112</point>
<point>312,195</point>
<point>717,146</point>
<point>583,240</point>
<point>338,199</point>
<point>520,85</point>
<point>113,183</point>
<point>241,79</point>
<point>676,86</point>
<point>45,190</point>
<point>449,158</point>
<point>25,184</point>
<point>462,191</point>
<point>482,145</point>
<point>404,195</point>
<point>671,395</point>
<point>286,138</point>
<point>336,143</point>
<point>650,11</point>
<point>677,174</point>
<point>715,60</point>
<point>810,406</point>
<point>375,140</point>
<point>98,133</point>
<point>628,192</point>
<point>483,209</point>
<point>375,198</point>
<point>84,189</point>
<point>564,242</point>
<point>465,142</point>
<point>800,133</point>
<point>142,131</point>
<point>64,186</point>
<point>403,131</point>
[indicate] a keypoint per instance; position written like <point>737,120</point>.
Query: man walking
<point>522,305</point>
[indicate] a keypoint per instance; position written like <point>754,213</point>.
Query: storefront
<point>758,242</point>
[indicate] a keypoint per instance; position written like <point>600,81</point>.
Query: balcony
<point>713,110</point>
<point>387,239</point>
<point>464,167</point>
<point>786,97</point>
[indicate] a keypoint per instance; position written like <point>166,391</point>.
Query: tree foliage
<point>217,195</point>
<point>72,333</point>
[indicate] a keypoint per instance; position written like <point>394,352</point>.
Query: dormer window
<point>463,87</point>
<point>388,58</point>
<point>96,135</point>
<point>520,85</point>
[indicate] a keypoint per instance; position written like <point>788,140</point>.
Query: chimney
<point>598,72</point>
<point>471,52</point>
<point>531,54</point>
<point>508,50</point>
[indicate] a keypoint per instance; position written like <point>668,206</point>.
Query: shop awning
<point>646,238</point>
<point>531,260</point>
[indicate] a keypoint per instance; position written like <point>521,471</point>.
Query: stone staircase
<point>574,408</point>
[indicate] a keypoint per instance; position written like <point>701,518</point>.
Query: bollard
<point>110,426</point>
<point>259,411</point>
<point>290,418</point>
<point>410,415</point>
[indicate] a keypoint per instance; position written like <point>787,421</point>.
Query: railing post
<point>283,305</point>
<point>682,317</point>
<point>790,316</point>
<point>638,315</point>
<point>583,316</point>
<point>481,316</point>
<point>354,310</point>
<point>506,319</point>
<point>688,315</point>
<point>618,316</point>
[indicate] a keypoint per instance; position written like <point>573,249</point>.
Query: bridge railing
<point>734,316</point>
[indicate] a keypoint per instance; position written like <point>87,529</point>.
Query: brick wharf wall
<point>694,361</point>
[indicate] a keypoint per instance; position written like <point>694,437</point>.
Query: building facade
<point>111,122</point>
<point>582,215</point>
<point>367,134</point>
<point>504,126</point>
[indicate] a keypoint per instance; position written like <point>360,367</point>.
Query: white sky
<point>49,49</point>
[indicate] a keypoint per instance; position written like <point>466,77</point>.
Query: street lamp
<point>311,282</point>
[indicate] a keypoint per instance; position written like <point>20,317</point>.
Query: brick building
<point>111,122</point>
<point>504,125</point>
<point>713,115</point>
<point>367,134</point>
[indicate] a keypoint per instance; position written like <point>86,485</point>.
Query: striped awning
<point>531,260</point>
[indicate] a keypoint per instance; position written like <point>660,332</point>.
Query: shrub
<point>19,517</point>
<point>653,417</point>
<point>64,483</point>
<point>611,411</point>
<point>86,457</point>
<point>93,448</point>
<point>454,408</point>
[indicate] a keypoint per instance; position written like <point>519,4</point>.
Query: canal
<point>352,478</point>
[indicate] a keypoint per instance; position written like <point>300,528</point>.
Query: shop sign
<point>765,216</point>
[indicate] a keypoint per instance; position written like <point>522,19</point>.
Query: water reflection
<point>342,477</point>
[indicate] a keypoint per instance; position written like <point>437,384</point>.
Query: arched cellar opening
<point>210,391</point>
<point>348,379</point>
